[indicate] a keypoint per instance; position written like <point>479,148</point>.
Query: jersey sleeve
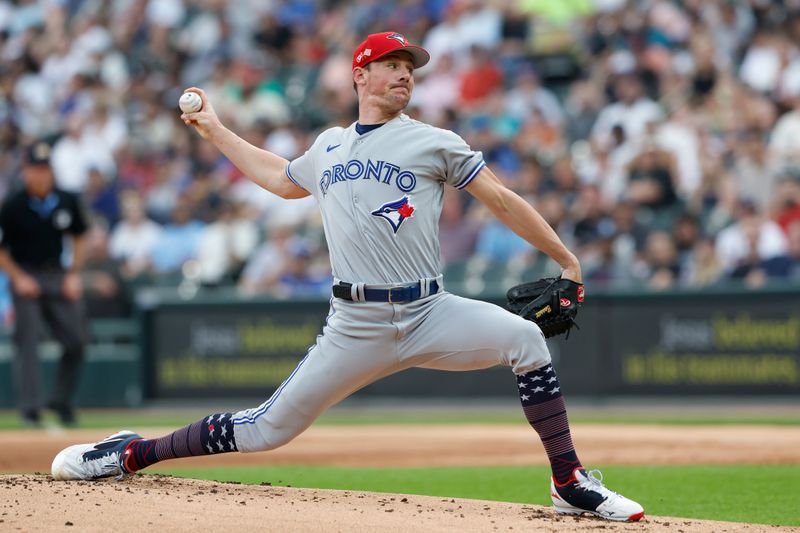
<point>461,162</point>
<point>301,171</point>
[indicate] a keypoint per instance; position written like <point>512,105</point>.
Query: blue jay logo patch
<point>395,212</point>
<point>398,37</point>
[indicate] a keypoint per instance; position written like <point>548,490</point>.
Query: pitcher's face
<point>389,81</point>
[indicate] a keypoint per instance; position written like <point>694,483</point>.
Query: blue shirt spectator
<point>178,242</point>
<point>498,243</point>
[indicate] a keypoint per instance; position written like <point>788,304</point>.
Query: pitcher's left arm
<point>524,220</point>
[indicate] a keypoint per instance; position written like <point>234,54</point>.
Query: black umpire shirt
<point>33,228</point>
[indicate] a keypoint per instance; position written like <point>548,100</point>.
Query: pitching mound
<point>161,503</point>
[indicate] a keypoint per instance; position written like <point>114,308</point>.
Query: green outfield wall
<point>701,343</point>
<point>112,375</point>
<point>741,343</point>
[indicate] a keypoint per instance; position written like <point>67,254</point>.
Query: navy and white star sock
<point>544,407</point>
<point>213,434</point>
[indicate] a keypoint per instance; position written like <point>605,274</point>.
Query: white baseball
<point>190,102</point>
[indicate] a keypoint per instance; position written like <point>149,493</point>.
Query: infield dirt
<point>33,502</point>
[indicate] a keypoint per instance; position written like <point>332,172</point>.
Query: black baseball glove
<point>550,302</point>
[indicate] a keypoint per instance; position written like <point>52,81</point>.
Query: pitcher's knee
<point>531,351</point>
<point>260,438</point>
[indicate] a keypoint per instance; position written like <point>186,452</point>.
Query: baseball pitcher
<point>379,185</point>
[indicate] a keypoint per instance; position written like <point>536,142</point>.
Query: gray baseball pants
<point>363,342</point>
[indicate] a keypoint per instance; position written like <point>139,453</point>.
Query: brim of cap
<point>419,55</point>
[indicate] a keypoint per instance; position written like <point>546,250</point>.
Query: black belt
<point>393,295</point>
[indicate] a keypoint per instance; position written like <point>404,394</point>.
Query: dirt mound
<point>162,503</point>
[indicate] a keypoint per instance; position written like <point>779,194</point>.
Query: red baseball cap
<point>377,45</point>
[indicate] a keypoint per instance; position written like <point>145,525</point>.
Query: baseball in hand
<point>190,102</point>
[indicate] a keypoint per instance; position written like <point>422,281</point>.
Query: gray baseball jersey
<point>380,194</point>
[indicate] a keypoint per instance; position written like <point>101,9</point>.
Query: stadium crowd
<point>660,138</point>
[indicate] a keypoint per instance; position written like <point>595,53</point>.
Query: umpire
<point>34,222</point>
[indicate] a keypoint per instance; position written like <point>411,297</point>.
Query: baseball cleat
<point>585,493</point>
<point>94,460</point>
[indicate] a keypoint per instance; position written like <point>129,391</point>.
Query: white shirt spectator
<point>784,142</point>
<point>113,70</point>
<point>165,13</point>
<point>109,128</point>
<point>60,67</point>
<point>761,68</point>
<point>444,39</point>
<point>522,101</point>
<point>34,100</point>
<point>633,119</point>
<point>265,106</point>
<point>480,26</point>
<point>682,141</point>
<point>733,246</point>
<point>222,245</point>
<point>133,244</point>
<point>277,211</point>
<point>202,34</point>
<point>262,268</point>
<point>728,33</point>
<point>70,164</point>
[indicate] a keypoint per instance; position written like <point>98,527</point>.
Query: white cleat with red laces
<point>585,493</point>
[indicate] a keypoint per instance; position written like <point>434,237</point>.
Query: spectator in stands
<point>134,238</point>
<point>608,167</point>
<point>660,269</point>
<point>102,196</point>
<point>786,202</point>
<point>171,179</point>
<point>178,241</point>
<point>437,91</point>
<point>590,215</point>
<point>784,142</point>
<point>751,239</point>
<point>33,223</point>
<point>499,244</point>
<point>458,232</point>
<point>630,235</point>
<point>225,245</point>
<point>686,233</point>
<point>633,111</point>
<point>71,158</point>
<point>106,294</point>
<point>581,106</point>
<point>651,184</point>
<point>266,263</point>
<point>702,268</point>
<point>480,79</point>
<point>788,268</point>
<point>756,174</point>
<point>527,95</point>
<point>779,268</point>
<point>297,278</point>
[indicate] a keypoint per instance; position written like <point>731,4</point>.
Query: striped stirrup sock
<point>213,434</point>
<point>543,405</point>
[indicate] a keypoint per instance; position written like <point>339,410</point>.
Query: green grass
<point>746,493</point>
<point>171,418</point>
